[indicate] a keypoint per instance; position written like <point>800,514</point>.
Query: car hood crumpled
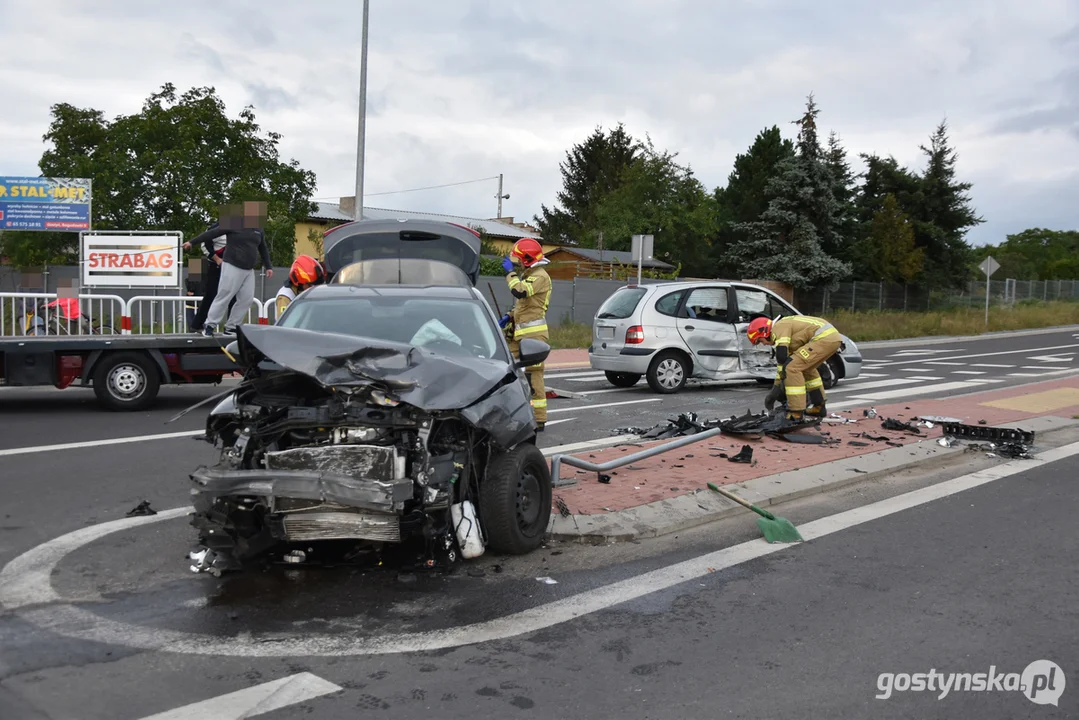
<point>424,379</point>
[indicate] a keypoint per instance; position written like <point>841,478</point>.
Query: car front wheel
<point>515,500</point>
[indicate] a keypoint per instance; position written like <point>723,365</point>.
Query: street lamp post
<point>500,196</point>
<point>357,212</point>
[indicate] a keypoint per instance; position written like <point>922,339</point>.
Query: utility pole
<point>357,212</point>
<point>500,196</point>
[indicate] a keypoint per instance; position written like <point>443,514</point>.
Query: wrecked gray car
<point>372,415</point>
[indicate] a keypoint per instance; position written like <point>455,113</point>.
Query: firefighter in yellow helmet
<point>802,344</point>
<point>531,288</point>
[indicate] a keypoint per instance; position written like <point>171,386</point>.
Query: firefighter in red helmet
<point>305,272</point>
<point>802,344</point>
<point>531,288</point>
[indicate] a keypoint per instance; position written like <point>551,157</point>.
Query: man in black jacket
<point>246,243</point>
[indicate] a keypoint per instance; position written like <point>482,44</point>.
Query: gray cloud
<point>468,89</point>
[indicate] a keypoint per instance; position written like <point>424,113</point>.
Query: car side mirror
<point>533,352</point>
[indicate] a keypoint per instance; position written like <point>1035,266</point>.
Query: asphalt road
<point>956,585</point>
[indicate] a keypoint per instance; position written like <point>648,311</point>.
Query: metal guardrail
<point>30,314</point>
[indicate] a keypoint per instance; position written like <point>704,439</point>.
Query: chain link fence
<point>879,296</point>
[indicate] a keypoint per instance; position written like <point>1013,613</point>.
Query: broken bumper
<point>363,493</point>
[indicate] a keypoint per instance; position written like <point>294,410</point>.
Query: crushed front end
<point>303,461</point>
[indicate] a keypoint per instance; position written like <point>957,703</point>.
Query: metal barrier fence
<point>47,314</point>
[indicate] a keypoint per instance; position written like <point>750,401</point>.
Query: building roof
<point>615,256</point>
<point>494,228</point>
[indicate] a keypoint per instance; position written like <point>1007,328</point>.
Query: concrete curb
<point>704,506</point>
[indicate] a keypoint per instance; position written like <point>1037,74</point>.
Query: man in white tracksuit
<point>246,242</point>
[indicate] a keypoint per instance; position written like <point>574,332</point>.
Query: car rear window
<point>622,304</point>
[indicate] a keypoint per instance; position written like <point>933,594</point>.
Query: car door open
<point>752,303</point>
<point>706,330</point>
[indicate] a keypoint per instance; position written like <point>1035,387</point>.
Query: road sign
<point>45,204</point>
<point>642,249</point>
<point>988,266</point>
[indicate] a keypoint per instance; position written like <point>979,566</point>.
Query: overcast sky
<point>469,89</point>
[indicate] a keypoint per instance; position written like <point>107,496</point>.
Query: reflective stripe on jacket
<point>529,312</point>
<point>798,330</point>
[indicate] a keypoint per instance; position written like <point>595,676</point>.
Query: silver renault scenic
<point>670,332</point>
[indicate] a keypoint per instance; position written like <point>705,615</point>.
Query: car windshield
<point>622,304</point>
<point>442,325</point>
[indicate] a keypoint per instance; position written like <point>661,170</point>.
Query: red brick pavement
<point>691,467</point>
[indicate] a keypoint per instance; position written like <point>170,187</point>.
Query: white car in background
<point>671,332</point>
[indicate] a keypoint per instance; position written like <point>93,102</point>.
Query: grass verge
<point>570,336</point>
<point>895,325</point>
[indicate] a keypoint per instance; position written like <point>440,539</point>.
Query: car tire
<point>126,381</point>
<point>829,373</point>
<point>515,500</point>
<point>622,380</point>
<point>668,372</point>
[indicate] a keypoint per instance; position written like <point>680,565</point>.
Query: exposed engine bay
<point>320,444</point>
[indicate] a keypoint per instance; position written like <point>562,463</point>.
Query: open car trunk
<point>366,240</point>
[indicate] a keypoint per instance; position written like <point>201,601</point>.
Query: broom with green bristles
<point>775,529</point>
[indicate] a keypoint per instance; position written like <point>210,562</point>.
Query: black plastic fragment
<point>143,508</point>
<point>893,424</point>
<point>977,432</point>
<point>745,455</point>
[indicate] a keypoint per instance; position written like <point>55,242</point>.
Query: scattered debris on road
<point>143,508</point>
<point>745,455</point>
<point>547,580</point>
<point>893,424</point>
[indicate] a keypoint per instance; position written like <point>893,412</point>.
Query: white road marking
<point>968,372</point>
<point>599,375</point>
<point>555,422</point>
<point>1066,371</point>
<point>577,408</point>
<point>943,362</point>
<point>574,373</point>
<point>869,375</point>
<point>903,353</point>
<point>1053,358</point>
<point>991,354</point>
<point>254,701</point>
<point>72,621</point>
<point>922,390</point>
<point>600,378</point>
<point>97,443</point>
<point>843,387</point>
<point>991,366</point>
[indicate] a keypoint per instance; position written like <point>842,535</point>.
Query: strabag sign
<point>151,260</point>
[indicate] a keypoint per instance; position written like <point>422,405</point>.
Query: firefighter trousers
<point>535,378</point>
<point>802,377</point>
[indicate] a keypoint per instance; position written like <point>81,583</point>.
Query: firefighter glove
<point>507,264</point>
<point>774,396</point>
<point>504,321</point>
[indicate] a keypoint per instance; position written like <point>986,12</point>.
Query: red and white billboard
<point>151,260</point>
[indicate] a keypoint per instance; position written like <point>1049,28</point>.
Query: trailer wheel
<point>126,381</point>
